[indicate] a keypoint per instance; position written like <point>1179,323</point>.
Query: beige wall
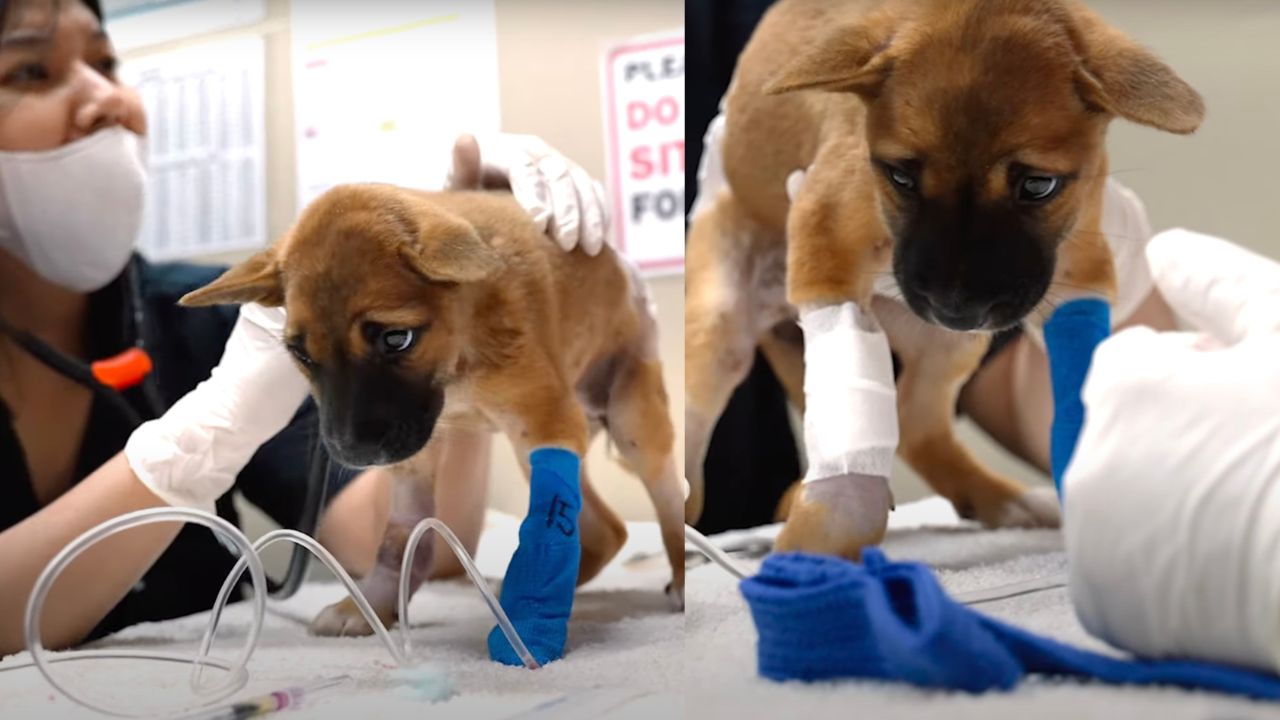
<point>549,68</point>
<point>1223,180</point>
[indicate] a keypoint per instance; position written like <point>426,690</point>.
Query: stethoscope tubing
<point>81,373</point>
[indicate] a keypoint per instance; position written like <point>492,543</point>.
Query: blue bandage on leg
<point>1072,334</point>
<point>537,592</point>
<point>824,618</point>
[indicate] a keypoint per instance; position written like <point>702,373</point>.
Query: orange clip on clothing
<point>124,370</point>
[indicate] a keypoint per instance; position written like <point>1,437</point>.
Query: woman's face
<point>57,77</point>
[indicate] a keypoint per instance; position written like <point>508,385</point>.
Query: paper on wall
<point>381,94</point>
<point>206,147</point>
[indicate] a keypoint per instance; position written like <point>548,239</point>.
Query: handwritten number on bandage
<point>558,516</point>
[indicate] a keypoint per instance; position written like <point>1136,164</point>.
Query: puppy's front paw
<point>838,516</point>
<point>1033,508</point>
<point>343,619</point>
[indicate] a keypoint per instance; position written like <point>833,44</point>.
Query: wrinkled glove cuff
<point>190,456</point>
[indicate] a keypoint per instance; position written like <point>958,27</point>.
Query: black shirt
<point>184,344</point>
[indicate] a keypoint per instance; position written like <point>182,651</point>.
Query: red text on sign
<point>663,111</point>
<point>659,159</point>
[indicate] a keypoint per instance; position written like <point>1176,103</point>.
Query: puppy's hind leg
<point>783,348</point>
<point>719,333</point>
<point>601,532</point>
<point>640,425</point>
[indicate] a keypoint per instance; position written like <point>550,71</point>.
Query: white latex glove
<point>560,196</point>
<point>191,455</point>
<point>1172,498</point>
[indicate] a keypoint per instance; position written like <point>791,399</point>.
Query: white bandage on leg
<point>851,412</point>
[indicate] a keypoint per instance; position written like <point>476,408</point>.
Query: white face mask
<point>73,213</point>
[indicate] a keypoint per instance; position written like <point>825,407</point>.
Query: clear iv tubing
<point>713,553</point>
<point>237,676</point>
<point>972,597</point>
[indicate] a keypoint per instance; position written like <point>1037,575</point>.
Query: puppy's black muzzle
<point>972,267</point>
<point>371,415</point>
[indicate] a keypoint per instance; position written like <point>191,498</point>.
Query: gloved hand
<point>560,196</point>
<point>191,455</point>
<point>1172,499</point>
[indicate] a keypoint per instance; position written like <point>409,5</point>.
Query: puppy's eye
<point>1038,188</point>
<point>397,340</point>
<point>901,178</point>
<point>901,174</point>
<point>300,353</point>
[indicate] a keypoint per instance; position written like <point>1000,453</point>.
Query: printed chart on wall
<point>137,23</point>
<point>381,95</point>
<point>206,148</point>
<point>644,117</point>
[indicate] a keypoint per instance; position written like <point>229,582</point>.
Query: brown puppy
<point>956,165</point>
<point>417,315</point>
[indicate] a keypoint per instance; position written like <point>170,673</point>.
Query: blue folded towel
<point>823,618</point>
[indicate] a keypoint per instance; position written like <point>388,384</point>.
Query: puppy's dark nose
<point>370,432</point>
<point>951,311</point>
<point>361,443</point>
<point>963,320</point>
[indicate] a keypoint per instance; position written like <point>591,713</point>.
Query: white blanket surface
<point>623,653</point>
<point>629,657</point>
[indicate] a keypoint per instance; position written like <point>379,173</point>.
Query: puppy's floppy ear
<point>448,249</point>
<point>1120,77</point>
<point>853,58</point>
<point>254,280</point>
